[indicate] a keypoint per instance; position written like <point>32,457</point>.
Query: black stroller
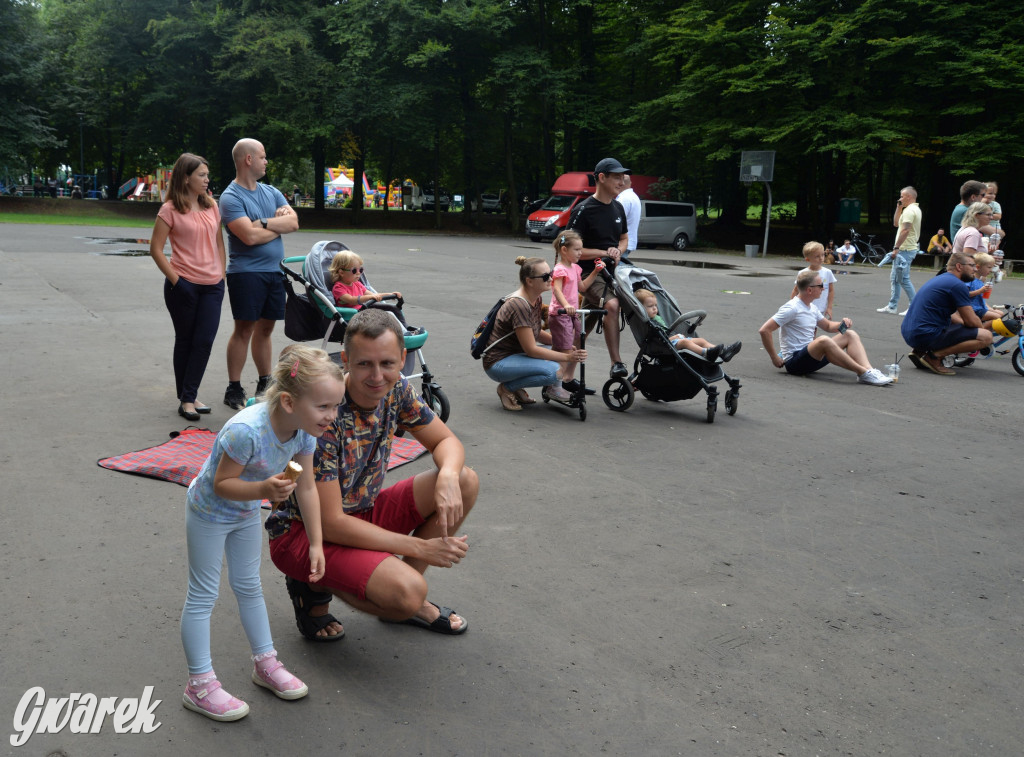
<point>660,372</point>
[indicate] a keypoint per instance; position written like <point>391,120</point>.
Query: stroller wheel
<point>732,402</point>
<point>437,400</point>
<point>712,409</point>
<point>618,394</point>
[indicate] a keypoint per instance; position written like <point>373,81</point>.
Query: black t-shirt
<point>600,224</point>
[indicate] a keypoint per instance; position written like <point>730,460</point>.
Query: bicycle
<point>869,250</point>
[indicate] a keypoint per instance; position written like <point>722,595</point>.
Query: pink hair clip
<point>295,368</point>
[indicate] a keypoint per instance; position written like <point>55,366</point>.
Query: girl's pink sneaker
<point>271,674</point>
<point>205,696</point>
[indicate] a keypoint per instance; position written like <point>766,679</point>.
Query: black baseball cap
<point>609,165</point>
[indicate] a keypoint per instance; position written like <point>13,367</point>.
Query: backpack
<point>478,343</point>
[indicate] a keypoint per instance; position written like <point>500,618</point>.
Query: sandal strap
<point>269,670</point>
<point>207,689</point>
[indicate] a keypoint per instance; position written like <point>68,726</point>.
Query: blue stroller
<point>311,314</point>
<point>660,372</point>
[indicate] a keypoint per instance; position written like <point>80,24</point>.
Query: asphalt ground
<point>836,569</point>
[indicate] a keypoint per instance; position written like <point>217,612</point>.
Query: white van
<point>663,222</point>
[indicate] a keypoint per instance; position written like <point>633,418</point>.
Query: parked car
<point>569,189</point>
<point>491,202</point>
<point>443,199</point>
<point>663,222</point>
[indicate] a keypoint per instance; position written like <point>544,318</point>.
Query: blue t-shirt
<point>956,220</point>
<point>978,303</point>
<point>250,441</point>
<point>238,202</point>
<point>928,315</point>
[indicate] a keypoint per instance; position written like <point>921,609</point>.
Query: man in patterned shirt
<point>377,541</point>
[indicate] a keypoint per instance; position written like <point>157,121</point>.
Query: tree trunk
<point>319,168</point>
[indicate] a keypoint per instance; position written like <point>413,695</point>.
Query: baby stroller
<point>312,314</point>
<point>660,372</point>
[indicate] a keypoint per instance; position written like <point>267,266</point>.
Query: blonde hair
<point>971,216</point>
<point>812,247</point>
<point>344,261</point>
<point>983,258</point>
<point>297,369</point>
<point>645,294</point>
<point>563,240</point>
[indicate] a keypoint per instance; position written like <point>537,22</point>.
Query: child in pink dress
<point>566,284</point>
<point>348,290</point>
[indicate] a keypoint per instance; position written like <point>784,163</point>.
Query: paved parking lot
<point>836,569</point>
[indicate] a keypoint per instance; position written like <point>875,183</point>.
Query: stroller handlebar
<point>700,315</point>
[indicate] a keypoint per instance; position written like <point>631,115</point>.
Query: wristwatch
<point>264,222</point>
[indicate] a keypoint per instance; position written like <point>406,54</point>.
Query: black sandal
<point>303,600</point>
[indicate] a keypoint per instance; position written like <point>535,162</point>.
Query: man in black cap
<point>601,221</point>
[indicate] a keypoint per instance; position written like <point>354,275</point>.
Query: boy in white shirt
<point>814,254</point>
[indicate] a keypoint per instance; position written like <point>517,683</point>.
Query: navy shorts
<point>801,363</point>
<point>256,296</point>
<point>954,334</point>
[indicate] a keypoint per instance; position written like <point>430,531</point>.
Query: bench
<point>938,259</point>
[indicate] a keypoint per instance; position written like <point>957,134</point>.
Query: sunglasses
<point>354,270</point>
<point>543,276</point>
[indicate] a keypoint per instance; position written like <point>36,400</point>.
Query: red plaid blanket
<point>180,459</point>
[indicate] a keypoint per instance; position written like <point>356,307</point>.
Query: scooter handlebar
<point>590,311</point>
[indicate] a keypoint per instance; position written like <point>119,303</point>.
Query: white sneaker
<point>904,312</point>
<point>874,377</point>
<point>886,309</point>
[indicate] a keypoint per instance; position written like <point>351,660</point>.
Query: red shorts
<point>348,569</point>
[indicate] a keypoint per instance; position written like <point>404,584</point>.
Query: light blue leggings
<point>208,543</point>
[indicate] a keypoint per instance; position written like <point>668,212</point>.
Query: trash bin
<point>849,210</point>
<point>752,250</point>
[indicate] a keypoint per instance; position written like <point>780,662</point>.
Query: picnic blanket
<point>180,458</point>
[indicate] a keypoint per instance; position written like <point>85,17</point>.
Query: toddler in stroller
<point>348,288</point>
<point>674,363</point>
<point>313,314</point>
<point>701,347</point>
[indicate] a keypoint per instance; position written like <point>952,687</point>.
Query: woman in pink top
<point>194,274</point>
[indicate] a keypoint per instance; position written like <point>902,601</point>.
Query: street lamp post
<point>81,145</point>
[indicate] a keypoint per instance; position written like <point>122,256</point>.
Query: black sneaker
<point>711,354</point>
<point>618,370</point>
<point>729,351</point>
<point>574,386</point>
<point>262,384</point>
<point>234,397</point>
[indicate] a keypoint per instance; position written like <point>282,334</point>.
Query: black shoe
<point>203,409</point>
<point>618,370</point>
<point>711,354</point>
<point>189,415</point>
<point>730,350</point>
<point>262,384</point>
<point>234,397</point>
<point>574,386</point>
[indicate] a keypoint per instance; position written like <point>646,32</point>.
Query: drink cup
<point>986,291</point>
<point>893,371</point>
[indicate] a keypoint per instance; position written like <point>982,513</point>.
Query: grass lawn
<point>73,220</point>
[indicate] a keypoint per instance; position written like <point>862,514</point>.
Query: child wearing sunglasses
<point>348,290</point>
